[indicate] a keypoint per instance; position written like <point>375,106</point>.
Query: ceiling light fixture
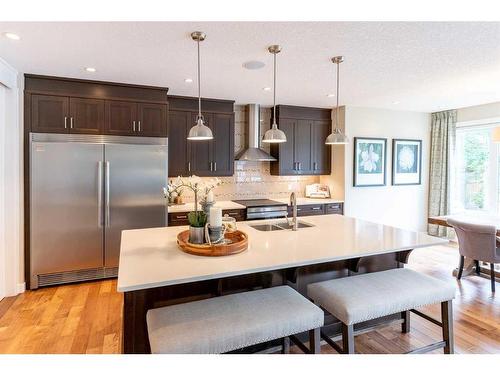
<point>11,36</point>
<point>253,65</point>
<point>90,70</point>
<point>330,95</point>
<point>266,88</point>
<point>396,102</point>
<point>199,132</point>
<point>337,137</point>
<point>188,80</point>
<point>274,135</point>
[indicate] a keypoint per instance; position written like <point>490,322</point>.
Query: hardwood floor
<point>86,317</point>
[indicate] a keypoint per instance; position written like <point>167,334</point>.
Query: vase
<point>178,200</point>
<point>196,235</point>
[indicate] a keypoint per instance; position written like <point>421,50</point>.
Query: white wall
<point>11,243</point>
<point>400,206</point>
<point>479,113</point>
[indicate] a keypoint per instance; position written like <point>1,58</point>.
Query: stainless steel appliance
<point>84,190</point>
<point>263,208</point>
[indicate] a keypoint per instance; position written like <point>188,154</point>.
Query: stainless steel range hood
<point>252,152</point>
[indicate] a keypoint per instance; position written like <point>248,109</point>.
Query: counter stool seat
<point>231,322</point>
<point>369,296</point>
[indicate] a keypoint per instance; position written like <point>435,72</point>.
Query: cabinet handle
<point>215,166</point>
<point>71,122</point>
<point>316,208</point>
<point>139,125</point>
<point>65,122</point>
<point>133,126</point>
<point>189,166</point>
<point>300,166</point>
<point>233,214</point>
<point>294,165</point>
<point>181,217</point>
<point>315,165</point>
<point>211,167</point>
<point>299,209</point>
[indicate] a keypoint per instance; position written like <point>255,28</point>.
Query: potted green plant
<point>197,219</point>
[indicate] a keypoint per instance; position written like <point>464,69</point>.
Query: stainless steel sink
<point>279,226</point>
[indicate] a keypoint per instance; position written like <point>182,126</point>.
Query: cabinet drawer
<point>310,209</point>
<point>334,208</point>
<point>239,215</point>
<point>178,218</point>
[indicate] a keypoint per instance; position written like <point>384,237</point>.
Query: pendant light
<point>199,132</point>
<point>274,135</point>
<point>337,137</point>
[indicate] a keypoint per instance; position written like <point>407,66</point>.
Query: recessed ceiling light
<point>266,88</point>
<point>188,80</point>
<point>396,102</point>
<point>90,69</point>
<point>253,65</point>
<point>11,36</point>
<point>330,95</point>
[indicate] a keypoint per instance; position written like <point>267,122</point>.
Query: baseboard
<point>20,288</point>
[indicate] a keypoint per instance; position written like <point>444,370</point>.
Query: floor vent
<point>75,276</point>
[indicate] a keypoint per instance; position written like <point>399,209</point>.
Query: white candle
<point>215,217</point>
<point>210,196</point>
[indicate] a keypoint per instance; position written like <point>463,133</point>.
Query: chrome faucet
<point>293,203</point>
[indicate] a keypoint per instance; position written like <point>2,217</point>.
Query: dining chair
<point>478,242</point>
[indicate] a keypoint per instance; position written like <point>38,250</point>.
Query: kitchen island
<point>154,272</point>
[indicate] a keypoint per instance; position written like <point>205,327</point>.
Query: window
<point>475,179</point>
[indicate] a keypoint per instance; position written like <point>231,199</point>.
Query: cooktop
<point>258,202</point>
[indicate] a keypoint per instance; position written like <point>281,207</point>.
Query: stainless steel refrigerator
<point>84,190</point>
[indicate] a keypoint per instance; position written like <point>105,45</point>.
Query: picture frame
<point>369,162</point>
<point>406,162</point>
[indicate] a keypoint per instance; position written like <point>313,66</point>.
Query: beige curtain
<point>443,131</point>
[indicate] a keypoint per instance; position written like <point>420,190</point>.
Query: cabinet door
<point>86,116</point>
<point>49,114</point>
<point>303,149</point>
<point>120,117</point>
<point>286,160</point>
<point>201,151</point>
<point>223,144</point>
<point>178,145</point>
<point>321,152</point>
<point>152,119</point>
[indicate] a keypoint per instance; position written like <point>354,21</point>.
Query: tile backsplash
<point>253,179</point>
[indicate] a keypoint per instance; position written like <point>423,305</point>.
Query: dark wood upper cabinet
<point>121,118</point>
<point>152,119</point>
<point>223,144</point>
<point>304,152</point>
<point>66,105</point>
<point>178,147</point>
<point>49,114</point>
<point>321,156</point>
<point>202,158</point>
<point>86,115</point>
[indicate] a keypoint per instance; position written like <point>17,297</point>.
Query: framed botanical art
<point>406,162</point>
<point>370,155</point>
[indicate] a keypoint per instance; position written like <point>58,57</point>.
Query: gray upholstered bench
<point>369,296</point>
<point>227,323</point>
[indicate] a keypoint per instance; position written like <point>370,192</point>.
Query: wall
<point>479,113</point>
<point>11,181</point>
<point>400,206</point>
<point>253,179</point>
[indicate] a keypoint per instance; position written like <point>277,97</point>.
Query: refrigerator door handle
<point>99,194</point>
<point>108,217</point>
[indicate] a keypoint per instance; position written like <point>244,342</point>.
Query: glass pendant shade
<point>337,138</point>
<point>274,135</point>
<point>200,132</point>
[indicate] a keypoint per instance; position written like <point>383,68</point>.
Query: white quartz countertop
<point>304,201</point>
<point>151,258</point>
<point>186,207</point>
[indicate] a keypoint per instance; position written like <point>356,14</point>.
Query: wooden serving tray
<point>239,243</point>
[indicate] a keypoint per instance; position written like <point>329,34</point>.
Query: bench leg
<point>447,319</point>
<point>348,338</point>
<point>460,267</point>
<point>492,275</point>
<point>478,268</point>
<point>314,341</point>
<point>405,326</point>
<point>285,348</point>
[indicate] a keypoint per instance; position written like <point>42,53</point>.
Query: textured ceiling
<point>422,66</point>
